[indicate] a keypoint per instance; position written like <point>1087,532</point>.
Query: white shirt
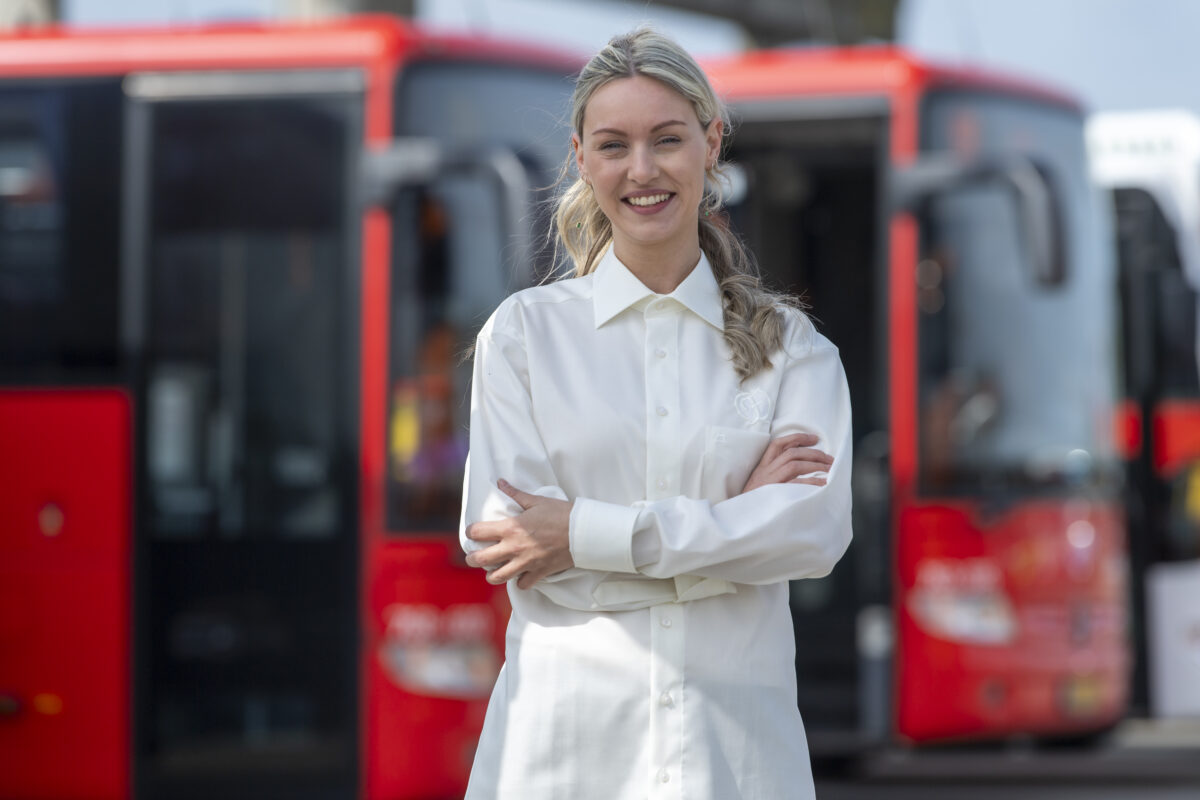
<point>661,665</point>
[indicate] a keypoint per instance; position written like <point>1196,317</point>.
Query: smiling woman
<point>644,472</point>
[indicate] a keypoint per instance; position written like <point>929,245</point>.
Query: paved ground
<point>841,790</point>
<point>1141,760</point>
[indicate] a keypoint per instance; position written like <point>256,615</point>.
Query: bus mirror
<point>1039,209</point>
<point>404,162</point>
<point>412,161</point>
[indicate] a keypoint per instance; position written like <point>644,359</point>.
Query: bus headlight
<point>970,617</point>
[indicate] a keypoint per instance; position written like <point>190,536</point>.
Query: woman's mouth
<point>649,202</point>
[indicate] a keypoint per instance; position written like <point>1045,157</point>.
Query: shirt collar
<point>616,289</point>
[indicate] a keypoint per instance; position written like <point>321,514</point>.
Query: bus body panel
<point>64,616</point>
<point>434,642</point>
<point>1011,623</point>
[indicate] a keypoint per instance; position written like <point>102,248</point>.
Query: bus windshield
<point>58,230</point>
<point>1017,383</point>
<point>452,267</point>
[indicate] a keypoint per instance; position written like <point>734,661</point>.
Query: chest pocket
<point>730,455</point>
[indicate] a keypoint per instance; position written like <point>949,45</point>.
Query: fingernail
<point>503,484</point>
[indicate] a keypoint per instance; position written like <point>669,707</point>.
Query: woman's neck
<point>662,267</point>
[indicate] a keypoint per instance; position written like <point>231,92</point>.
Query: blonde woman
<point>644,472</point>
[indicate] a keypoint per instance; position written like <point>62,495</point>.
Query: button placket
<point>662,318</point>
<point>664,420</point>
<point>667,643</point>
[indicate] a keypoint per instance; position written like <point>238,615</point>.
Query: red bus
<point>942,224</point>
<point>237,269</point>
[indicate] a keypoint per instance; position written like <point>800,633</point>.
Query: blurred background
<point>244,244</point>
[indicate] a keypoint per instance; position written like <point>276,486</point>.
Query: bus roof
<point>343,42</point>
<point>871,70</point>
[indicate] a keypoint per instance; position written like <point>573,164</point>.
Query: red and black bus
<point>943,227</point>
<point>238,266</point>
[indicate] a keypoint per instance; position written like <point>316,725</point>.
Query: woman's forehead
<point>635,103</point>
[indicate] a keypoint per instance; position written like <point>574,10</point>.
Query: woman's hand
<point>529,546</point>
<point>790,459</point>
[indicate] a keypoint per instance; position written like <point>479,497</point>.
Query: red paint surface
<point>64,598</point>
<point>352,41</point>
<point>839,72</point>
<point>1127,426</point>
<point>1064,670</point>
<point>421,740</point>
<point>1176,431</point>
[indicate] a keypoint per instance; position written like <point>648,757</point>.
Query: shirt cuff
<point>601,535</point>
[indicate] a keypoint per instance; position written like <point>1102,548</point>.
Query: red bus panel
<point>434,643</point>
<point>64,594</point>
<point>1010,624</point>
<point>1176,435</point>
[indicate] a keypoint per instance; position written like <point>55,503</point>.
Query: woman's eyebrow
<point>657,127</point>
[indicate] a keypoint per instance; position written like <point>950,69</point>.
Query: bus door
<point>241,269</point>
<point>464,236</point>
<point>1010,552</point>
<point>811,214</point>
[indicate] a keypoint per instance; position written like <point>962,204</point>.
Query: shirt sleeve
<point>505,443</point>
<point>773,533</point>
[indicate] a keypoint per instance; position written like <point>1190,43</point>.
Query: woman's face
<point>645,153</point>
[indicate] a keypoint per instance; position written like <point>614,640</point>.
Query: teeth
<point>649,200</point>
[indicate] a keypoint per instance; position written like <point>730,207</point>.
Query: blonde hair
<point>754,323</point>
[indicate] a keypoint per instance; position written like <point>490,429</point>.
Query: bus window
<point>431,326</point>
<point>1007,362</point>
<point>1147,250</point>
<point>452,268</point>
<point>59,199</point>
<point>244,321</point>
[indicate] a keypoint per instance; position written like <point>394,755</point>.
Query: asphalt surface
<point>1141,760</point>
<point>842,790</point>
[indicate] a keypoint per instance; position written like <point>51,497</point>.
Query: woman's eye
<point>669,140</point>
<point>611,146</point>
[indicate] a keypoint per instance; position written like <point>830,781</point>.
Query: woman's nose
<point>643,166</point>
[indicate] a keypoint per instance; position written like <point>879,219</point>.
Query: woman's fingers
<point>783,443</point>
<point>489,557</point>
<point>812,460</point>
<point>779,460</point>
<point>487,531</point>
<point>524,499</point>
<point>798,462</point>
<point>809,481</point>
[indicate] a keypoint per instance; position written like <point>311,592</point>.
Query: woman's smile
<point>649,203</point>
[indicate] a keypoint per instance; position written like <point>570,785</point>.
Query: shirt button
<point>662,411</point>
<point>665,622</point>
<point>661,483</point>
<point>664,776</point>
<point>665,700</point>
<point>660,353</point>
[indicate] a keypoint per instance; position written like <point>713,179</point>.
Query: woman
<point>642,473</point>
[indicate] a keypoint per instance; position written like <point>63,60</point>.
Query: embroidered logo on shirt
<point>753,406</point>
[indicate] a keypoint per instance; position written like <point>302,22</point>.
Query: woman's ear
<point>712,137</point>
<point>577,147</point>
